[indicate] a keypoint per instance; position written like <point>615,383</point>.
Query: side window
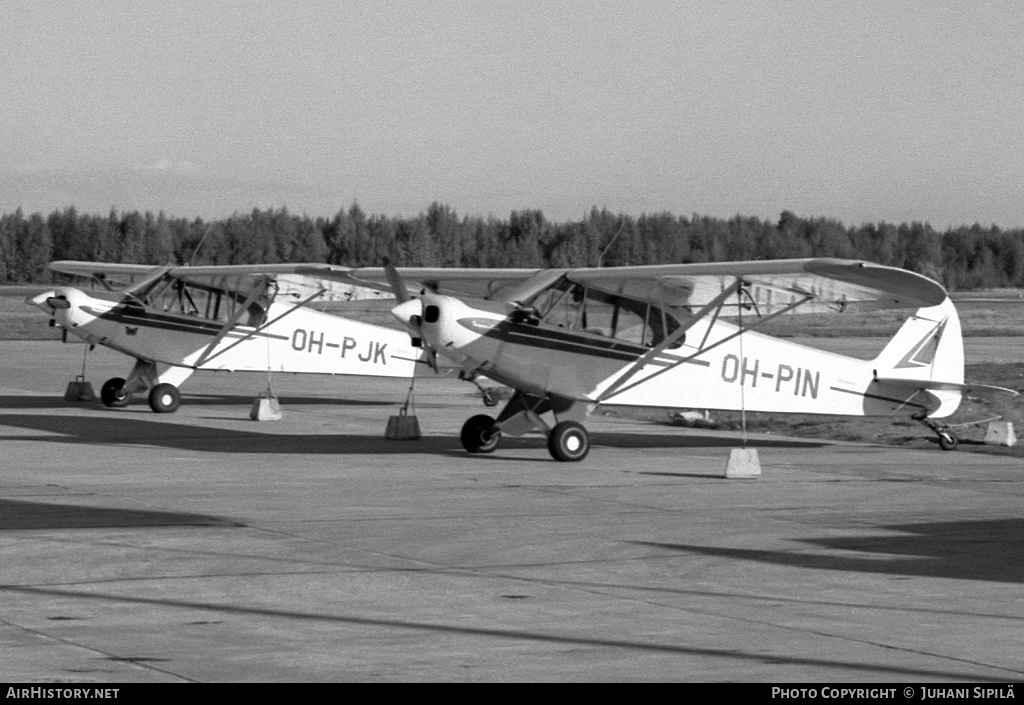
<point>575,307</point>
<point>172,295</point>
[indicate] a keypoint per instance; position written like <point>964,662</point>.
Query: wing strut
<point>716,304</point>
<point>619,385</point>
<point>230,323</point>
<point>206,356</point>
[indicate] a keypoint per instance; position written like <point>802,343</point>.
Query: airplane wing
<point>111,275</point>
<point>290,281</point>
<point>769,285</point>
<point>477,282</point>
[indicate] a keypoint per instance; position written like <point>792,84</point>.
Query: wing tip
<point>908,289</point>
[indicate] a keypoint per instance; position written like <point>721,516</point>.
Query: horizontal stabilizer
<point>976,390</point>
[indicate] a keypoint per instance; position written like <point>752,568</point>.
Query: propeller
<point>409,311</point>
<point>48,301</point>
<point>410,315</point>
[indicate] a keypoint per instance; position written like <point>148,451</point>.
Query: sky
<point>861,111</point>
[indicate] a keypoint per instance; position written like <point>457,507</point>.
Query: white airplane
<point>566,340</point>
<point>570,340</point>
<point>177,320</point>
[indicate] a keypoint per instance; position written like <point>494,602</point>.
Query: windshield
<point>575,307</point>
<point>172,295</point>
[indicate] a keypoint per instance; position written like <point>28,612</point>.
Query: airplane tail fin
<point>927,352</point>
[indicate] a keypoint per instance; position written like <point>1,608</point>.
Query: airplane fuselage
<point>288,339</point>
<point>753,371</point>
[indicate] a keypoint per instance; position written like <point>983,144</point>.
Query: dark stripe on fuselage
<point>567,341</point>
<point>134,316</point>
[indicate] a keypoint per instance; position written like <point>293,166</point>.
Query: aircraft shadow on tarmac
<point>245,400</point>
<point>121,429</point>
<point>31,402</point>
<point>20,515</point>
<point>124,429</point>
<point>242,401</point>
<point>985,549</point>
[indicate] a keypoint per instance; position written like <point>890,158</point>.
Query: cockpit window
<point>173,295</point>
<point>575,307</point>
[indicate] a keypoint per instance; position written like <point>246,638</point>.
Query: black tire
<point>569,442</point>
<point>164,398</point>
<point>947,441</point>
<point>490,398</point>
<point>112,393</point>
<point>479,434</point>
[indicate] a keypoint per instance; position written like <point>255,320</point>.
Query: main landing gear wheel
<point>947,441</point>
<point>164,398</point>
<point>479,434</point>
<point>490,397</point>
<point>112,393</point>
<point>569,442</point>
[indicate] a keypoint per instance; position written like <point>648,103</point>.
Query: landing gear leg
<point>489,394</point>
<point>162,381</point>
<point>568,441</point>
<point>947,439</point>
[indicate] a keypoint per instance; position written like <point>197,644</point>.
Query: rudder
<point>929,346</point>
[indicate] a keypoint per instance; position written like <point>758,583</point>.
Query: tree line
<point>967,257</point>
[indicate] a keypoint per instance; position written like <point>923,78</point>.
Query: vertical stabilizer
<point>930,348</point>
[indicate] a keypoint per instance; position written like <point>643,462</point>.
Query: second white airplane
<point>178,320</point>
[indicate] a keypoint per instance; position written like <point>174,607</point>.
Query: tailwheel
<point>112,393</point>
<point>479,434</point>
<point>164,398</point>
<point>947,439</point>
<point>568,441</point>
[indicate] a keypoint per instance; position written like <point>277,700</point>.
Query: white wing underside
<point>769,285</point>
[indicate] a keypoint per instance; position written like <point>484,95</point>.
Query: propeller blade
<point>396,282</point>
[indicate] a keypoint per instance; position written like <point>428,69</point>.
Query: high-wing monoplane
<point>176,320</point>
<point>566,341</point>
<point>679,335</point>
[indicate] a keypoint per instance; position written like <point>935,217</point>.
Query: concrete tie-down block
<point>265,409</point>
<point>1000,433</point>
<point>403,427</point>
<point>79,390</point>
<point>743,463</point>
